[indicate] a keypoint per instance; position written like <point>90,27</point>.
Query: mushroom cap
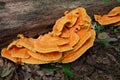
<point>68,20</point>
<point>84,36</point>
<point>84,21</point>
<point>12,44</point>
<point>116,24</point>
<point>23,42</point>
<point>32,60</point>
<point>72,17</point>
<point>114,12</point>
<point>74,37</point>
<point>27,43</point>
<point>65,33</point>
<point>49,43</point>
<point>59,25</point>
<point>45,47</point>
<point>70,57</point>
<point>106,20</point>
<point>19,52</point>
<point>64,48</point>
<point>57,40</point>
<point>7,54</point>
<point>50,57</point>
<point>112,18</point>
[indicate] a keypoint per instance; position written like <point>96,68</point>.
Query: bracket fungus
<point>112,18</point>
<point>72,35</point>
<point>73,55</point>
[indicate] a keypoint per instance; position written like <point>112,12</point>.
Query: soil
<point>101,62</point>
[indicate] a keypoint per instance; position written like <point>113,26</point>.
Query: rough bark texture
<point>34,17</point>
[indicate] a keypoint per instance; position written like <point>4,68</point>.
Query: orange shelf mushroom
<point>73,55</point>
<point>72,35</point>
<point>19,52</point>
<point>49,57</point>
<point>7,54</point>
<point>32,60</point>
<point>84,36</point>
<point>112,18</point>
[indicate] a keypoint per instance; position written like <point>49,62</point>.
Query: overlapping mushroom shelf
<point>112,18</point>
<point>70,38</point>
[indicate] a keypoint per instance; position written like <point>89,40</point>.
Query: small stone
<point>103,35</point>
<point>100,72</point>
<point>118,37</point>
<point>41,73</point>
<point>44,78</point>
<point>27,68</point>
<point>112,39</point>
<point>50,73</point>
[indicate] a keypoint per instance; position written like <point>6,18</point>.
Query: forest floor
<point>101,62</point>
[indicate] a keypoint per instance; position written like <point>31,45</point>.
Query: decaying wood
<point>34,17</point>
